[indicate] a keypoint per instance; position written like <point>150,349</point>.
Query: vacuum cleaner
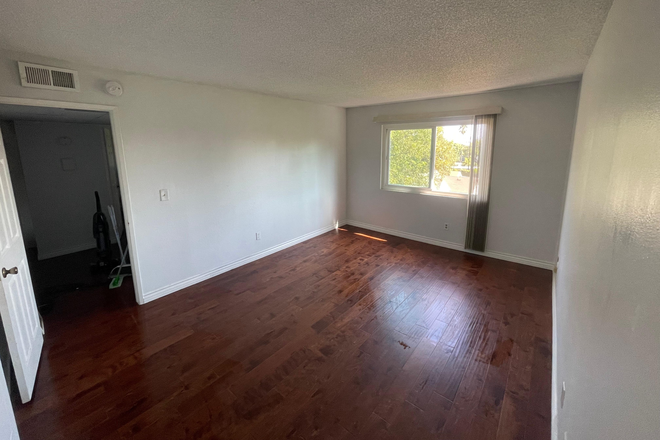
<point>102,235</point>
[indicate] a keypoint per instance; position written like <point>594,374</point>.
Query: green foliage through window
<point>410,157</point>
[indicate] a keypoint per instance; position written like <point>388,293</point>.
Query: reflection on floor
<point>342,336</point>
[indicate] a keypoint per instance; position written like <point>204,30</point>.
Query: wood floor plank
<point>350,335</point>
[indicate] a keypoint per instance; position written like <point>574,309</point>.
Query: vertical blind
<point>480,170</point>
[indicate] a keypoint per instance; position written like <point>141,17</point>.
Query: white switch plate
<point>257,236</point>
<point>164,195</point>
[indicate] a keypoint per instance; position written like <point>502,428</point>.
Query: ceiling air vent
<point>46,77</point>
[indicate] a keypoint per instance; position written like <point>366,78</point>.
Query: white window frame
<point>385,155</point>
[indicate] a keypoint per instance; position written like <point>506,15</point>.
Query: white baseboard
<point>171,288</point>
<point>456,246</point>
<point>64,251</point>
<point>408,235</point>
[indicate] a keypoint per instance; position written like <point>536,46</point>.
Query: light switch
<point>164,195</point>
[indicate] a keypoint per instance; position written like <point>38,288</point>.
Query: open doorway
<point>65,182</point>
<point>63,234</point>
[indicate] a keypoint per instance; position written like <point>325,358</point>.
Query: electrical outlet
<point>164,195</point>
<point>257,236</point>
<point>446,226</point>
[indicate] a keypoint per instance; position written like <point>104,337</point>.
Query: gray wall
<point>530,165</point>
<point>608,281</point>
<point>61,201</point>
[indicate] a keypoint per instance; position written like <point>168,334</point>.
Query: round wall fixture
<point>114,88</point>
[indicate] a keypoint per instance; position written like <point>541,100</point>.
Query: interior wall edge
<point>455,246</point>
<point>180,285</point>
<point>554,399</point>
<point>608,303</point>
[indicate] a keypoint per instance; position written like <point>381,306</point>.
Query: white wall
<point>530,164</point>
<point>62,201</point>
<point>234,162</point>
<point>608,282</point>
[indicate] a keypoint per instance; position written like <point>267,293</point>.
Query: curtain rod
<point>428,117</point>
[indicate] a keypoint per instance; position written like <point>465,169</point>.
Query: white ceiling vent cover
<point>46,77</point>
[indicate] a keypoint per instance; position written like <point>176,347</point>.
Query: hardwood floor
<point>344,336</point>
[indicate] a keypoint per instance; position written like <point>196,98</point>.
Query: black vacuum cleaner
<point>102,235</point>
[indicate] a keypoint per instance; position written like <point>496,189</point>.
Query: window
<point>428,158</point>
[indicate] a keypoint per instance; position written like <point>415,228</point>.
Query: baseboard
<point>456,246</point>
<point>174,287</point>
<point>408,235</point>
<point>64,251</point>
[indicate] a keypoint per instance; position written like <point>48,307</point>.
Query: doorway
<point>65,181</point>
<point>64,176</point>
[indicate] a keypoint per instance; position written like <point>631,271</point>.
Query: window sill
<point>423,191</point>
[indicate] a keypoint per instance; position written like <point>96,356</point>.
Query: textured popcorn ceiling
<point>340,52</point>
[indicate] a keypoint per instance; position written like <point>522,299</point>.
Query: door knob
<point>12,271</point>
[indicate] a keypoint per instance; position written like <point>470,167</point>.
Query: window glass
<point>410,157</point>
<point>453,147</point>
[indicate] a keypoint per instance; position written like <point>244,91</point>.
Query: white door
<point>8,429</point>
<point>18,306</point>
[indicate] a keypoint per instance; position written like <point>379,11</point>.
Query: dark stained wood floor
<point>341,337</point>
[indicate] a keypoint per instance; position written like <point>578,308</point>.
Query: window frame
<point>385,155</point>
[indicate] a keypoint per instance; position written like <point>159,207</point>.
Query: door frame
<point>120,158</point>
